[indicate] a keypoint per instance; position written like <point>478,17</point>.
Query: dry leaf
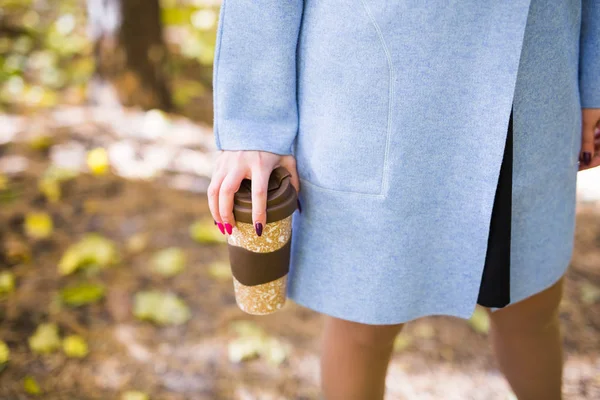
<point>38,225</point>
<point>45,339</point>
<point>75,346</point>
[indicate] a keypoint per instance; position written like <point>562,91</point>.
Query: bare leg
<point>355,359</point>
<point>527,340</point>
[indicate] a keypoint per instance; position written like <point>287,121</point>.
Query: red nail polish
<point>299,207</point>
<point>220,225</point>
<point>587,157</point>
<point>229,228</point>
<point>259,228</point>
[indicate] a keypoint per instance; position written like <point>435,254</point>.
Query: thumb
<point>289,163</point>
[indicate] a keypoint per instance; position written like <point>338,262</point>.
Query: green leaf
<point>92,249</point>
<point>161,308</point>
<point>480,320</point>
<point>31,386</point>
<point>75,346</point>
<point>169,262</point>
<point>38,225</point>
<point>45,339</point>
<point>134,395</point>
<point>205,231</point>
<point>7,282</point>
<point>85,293</point>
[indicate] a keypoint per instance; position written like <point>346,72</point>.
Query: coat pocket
<point>345,94</point>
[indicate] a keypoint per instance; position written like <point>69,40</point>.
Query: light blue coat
<point>397,114</point>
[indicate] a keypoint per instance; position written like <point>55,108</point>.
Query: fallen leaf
<point>3,182</point>
<point>38,225</point>
<point>274,351</point>
<point>40,142</point>
<point>97,161</point>
<point>92,249</point>
<point>161,308</point>
<point>480,320</point>
<point>84,293</point>
<point>169,261</point>
<point>137,243</point>
<point>75,346</point>
<point>134,395</point>
<point>45,339</point>
<point>31,386</point>
<point>246,328</point>
<point>402,342</point>
<point>59,174</point>
<point>244,348</point>
<point>4,353</point>
<point>589,293</point>
<point>7,282</point>
<point>50,189</point>
<point>220,270</point>
<point>205,231</point>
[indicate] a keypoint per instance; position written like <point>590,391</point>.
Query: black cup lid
<point>281,197</point>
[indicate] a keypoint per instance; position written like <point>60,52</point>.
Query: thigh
<point>534,312</point>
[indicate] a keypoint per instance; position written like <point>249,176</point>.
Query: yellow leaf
<point>31,386</point>
<point>3,182</point>
<point>205,231</point>
<point>4,353</point>
<point>480,321</point>
<point>38,225</point>
<point>7,282</point>
<point>40,142</point>
<point>169,262</point>
<point>97,161</point>
<point>244,348</point>
<point>589,293</point>
<point>92,249</point>
<point>75,346</point>
<point>50,188</point>
<point>137,243</point>
<point>402,341</point>
<point>246,328</point>
<point>161,308</point>
<point>220,270</point>
<point>82,294</point>
<point>274,351</point>
<point>135,395</point>
<point>45,339</point>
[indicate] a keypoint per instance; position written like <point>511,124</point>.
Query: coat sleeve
<point>254,75</point>
<point>589,61</point>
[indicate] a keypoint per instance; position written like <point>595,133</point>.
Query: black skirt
<point>494,290</point>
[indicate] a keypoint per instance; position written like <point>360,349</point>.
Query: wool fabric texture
<point>397,114</point>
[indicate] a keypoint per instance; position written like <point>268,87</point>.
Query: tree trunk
<point>130,52</point>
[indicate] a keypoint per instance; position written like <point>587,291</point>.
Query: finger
<point>230,185</point>
<point>260,184</point>
<point>213,198</point>
<point>587,141</point>
<point>289,163</point>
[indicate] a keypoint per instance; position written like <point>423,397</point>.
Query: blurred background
<point>114,282</point>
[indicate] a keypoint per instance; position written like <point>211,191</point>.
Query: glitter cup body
<point>265,298</point>
<point>260,264</point>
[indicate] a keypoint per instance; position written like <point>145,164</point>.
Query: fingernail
<point>229,228</point>
<point>299,206</point>
<point>215,221</point>
<point>220,225</point>
<point>587,157</point>
<point>258,227</point>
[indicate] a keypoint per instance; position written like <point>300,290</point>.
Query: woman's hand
<point>590,139</point>
<point>231,168</point>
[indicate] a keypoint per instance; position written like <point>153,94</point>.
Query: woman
<point>418,196</point>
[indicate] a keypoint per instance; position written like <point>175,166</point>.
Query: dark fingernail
<point>220,225</point>
<point>229,228</point>
<point>587,157</point>
<point>215,221</point>
<point>299,206</point>
<point>258,227</point>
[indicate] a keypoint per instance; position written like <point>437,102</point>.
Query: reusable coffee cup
<point>260,264</point>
